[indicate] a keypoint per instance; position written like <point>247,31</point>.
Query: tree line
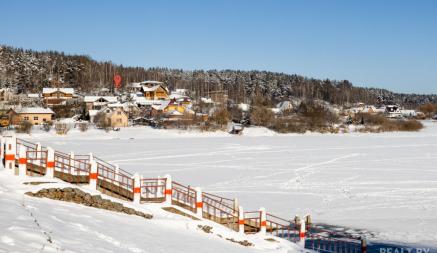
<point>29,71</point>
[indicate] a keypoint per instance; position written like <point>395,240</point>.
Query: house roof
<point>109,99</point>
<point>109,110</point>
<point>113,105</point>
<point>176,96</point>
<point>174,113</point>
<point>162,106</point>
<point>135,85</point>
<point>154,88</point>
<point>151,82</point>
<point>206,100</point>
<point>35,110</point>
<point>33,95</point>
<point>63,90</point>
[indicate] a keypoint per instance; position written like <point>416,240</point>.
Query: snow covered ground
<point>385,183</point>
<point>29,224</point>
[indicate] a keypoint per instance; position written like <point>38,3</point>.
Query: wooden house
<point>57,96</point>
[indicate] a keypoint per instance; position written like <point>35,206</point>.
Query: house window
<point>35,118</point>
<point>44,119</point>
<point>118,120</point>
<point>119,113</point>
<point>26,118</point>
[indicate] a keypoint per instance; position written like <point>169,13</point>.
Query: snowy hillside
<point>29,224</point>
<point>30,71</point>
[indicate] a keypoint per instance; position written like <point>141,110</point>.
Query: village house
<point>393,111</point>
<point>98,102</point>
<point>155,92</point>
<point>180,97</point>
<point>57,96</point>
<point>34,115</point>
<point>131,109</point>
<point>134,87</point>
<point>115,116</point>
<point>175,106</point>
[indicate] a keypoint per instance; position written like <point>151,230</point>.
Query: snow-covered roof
<point>109,99</point>
<point>244,107</point>
<point>118,104</point>
<point>145,101</point>
<point>135,85</point>
<point>151,82</point>
<point>180,91</point>
<point>175,96</point>
<point>174,113</point>
<point>33,95</point>
<point>35,110</point>
<point>206,100</point>
<point>154,88</point>
<point>162,106</point>
<point>63,90</point>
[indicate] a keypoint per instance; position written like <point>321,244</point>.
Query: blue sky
<point>388,44</point>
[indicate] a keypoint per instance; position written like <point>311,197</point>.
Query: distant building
<point>393,111</point>
<point>57,96</point>
<point>34,115</point>
<point>134,87</point>
<point>115,116</point>
<point>34,96</point>
<point>155,92</point>
<point>98,102</point>
<point>408,113</point>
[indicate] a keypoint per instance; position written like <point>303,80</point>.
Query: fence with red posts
<point>111,180</point>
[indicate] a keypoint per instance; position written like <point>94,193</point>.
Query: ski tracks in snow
<point>304,172</point>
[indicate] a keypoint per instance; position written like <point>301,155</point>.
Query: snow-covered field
<point>385,183</point>
<point>29,224</point>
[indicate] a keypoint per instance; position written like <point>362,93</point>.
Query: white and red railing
<point>34,159</point>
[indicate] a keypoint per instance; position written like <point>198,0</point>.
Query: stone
<point>78,196</point>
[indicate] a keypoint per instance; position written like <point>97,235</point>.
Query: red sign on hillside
<point>117,81</point>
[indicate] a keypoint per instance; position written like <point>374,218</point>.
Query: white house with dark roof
<point>98,102</point>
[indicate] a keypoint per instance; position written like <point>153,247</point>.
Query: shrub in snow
<point>24,127</point>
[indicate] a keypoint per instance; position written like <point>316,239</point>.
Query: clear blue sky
<point>389,44</point>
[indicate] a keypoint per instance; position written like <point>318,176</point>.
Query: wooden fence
<point>111,180</point>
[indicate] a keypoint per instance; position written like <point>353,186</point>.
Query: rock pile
<point>78,196</point>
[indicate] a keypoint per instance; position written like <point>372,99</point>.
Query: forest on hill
<point>29,71</point>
